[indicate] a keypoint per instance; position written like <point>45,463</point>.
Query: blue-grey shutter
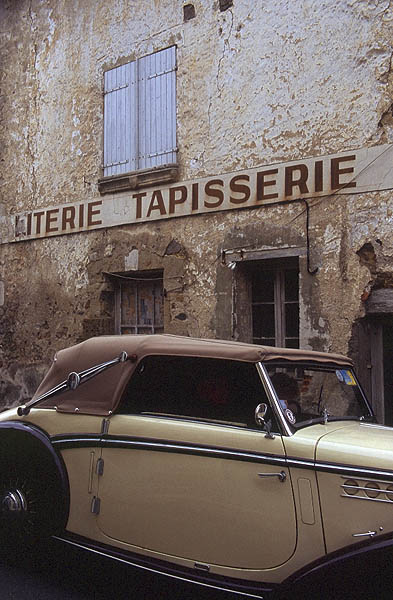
<point>157,108</point>
<point>120,120</point>
<point>140,114</point>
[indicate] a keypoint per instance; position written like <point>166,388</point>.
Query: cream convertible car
<point>240,467</point>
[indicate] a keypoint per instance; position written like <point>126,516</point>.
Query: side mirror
<point>260,414</point>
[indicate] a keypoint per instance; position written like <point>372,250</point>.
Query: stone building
<point>212,168</point>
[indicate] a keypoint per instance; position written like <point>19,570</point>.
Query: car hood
<point>359,444</point>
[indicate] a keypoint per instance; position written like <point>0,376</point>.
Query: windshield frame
<point>289,428</point>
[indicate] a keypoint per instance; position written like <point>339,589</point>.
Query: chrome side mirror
<point>260,414</point>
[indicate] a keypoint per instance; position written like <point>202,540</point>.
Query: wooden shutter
<point>157,108</point>
<point>140,114</point>
<point>120,120</point>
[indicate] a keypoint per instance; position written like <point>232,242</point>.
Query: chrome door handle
<point>281,475</point>
<point>366,534</point>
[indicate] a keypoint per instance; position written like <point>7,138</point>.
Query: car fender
<point>348,570</point>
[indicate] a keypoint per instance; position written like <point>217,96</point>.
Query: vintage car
<point>240,467</point>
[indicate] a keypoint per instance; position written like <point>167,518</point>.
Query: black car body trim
<point>241,587</point>
<point>136,443</point>
<point>353,470</point>
<point>81,440</point>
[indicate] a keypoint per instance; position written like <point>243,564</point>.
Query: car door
<point>189,475</point>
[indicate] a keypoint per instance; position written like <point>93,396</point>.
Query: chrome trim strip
<point>67,442</point>
<point>194,449</point>
<point>376,426</point>
<point>362,489</point>
<point>353,471</point>
<point>219,452</point>
<point>168,446</point>
<point>300,463</point>
<point>157,571</point>
<point>92,441</point>
<point>367,479</point>
<point>364,498</point>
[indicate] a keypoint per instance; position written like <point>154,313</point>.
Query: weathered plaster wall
<point>262,82</point>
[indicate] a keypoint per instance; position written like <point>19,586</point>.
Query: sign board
<point>352,172</point>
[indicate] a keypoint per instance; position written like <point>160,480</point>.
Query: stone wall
<point>257,83</point>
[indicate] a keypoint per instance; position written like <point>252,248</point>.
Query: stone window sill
<point>138,179</point>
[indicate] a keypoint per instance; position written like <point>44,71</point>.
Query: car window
<point>200,388</point>
<point>312,392</point>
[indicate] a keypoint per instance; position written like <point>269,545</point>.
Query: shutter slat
<point>133,104</point>
<point>142,112</point>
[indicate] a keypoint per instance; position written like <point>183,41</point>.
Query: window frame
<point>136,279</point>
<point>280,303</point>
<point>278,268</point>
<point>212,420</point>
<point>243,302</point>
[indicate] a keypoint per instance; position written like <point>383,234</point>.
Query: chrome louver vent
<point>366,489</point>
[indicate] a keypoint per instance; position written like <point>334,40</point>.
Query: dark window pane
<point>275,303</point>
<point>264,341</point>
<point>292,320</point>
<point>263,321</point>
<point>291,285</point>
<point>263,286</point>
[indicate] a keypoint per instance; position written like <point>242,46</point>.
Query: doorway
<point>372,351</point>
<point>387,344</point>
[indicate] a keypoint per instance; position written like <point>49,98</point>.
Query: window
<point>275,303</point>
<point>139,304</point>
<point>317,392</point>
<point>140,114</point>
<point>211,390</point>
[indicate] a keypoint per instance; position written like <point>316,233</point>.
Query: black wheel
<point>28,504</point>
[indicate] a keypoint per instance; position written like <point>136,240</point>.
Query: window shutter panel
<point>157,109</point>
<point>120,120</point>
<point>140,114</point>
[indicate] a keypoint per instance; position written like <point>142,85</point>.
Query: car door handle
<point>281,475</point>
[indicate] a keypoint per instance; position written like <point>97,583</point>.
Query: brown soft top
<point>101,394</point>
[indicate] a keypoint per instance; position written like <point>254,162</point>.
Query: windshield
<point>309,394</point>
